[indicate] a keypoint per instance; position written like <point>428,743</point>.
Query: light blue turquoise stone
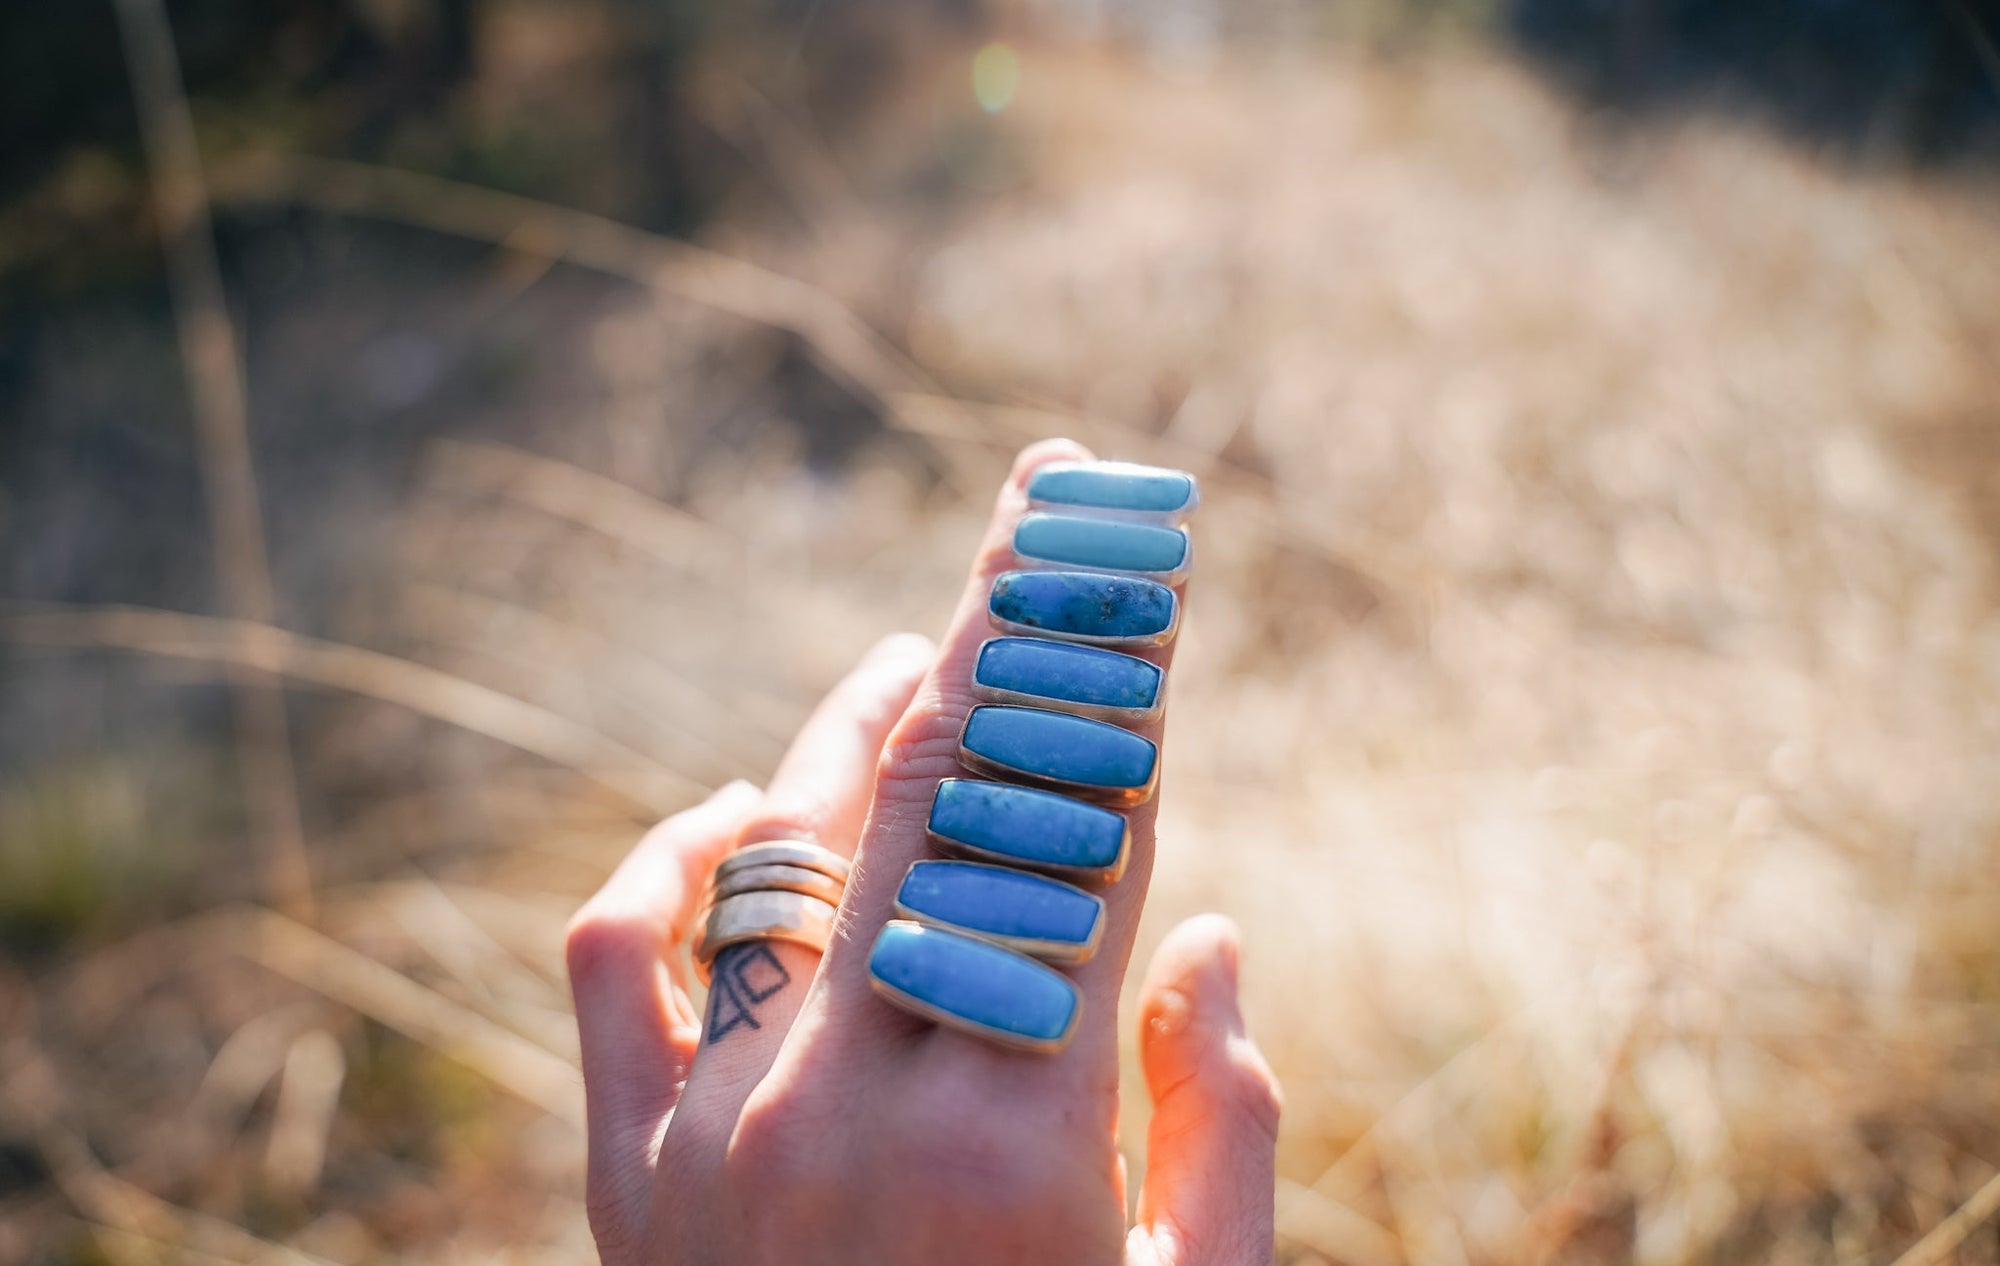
<point>1083,604</point>
<point>1113,486</point>
<point>1065,671</point>
<point>996,901</point>
<point>1112,544</point>
<point>1059,746</point>
<point>1005,993</point>
<point>1031,827</point>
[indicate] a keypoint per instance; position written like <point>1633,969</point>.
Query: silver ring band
<point>787,853</point>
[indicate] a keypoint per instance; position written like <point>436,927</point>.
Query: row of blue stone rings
<point>1099,549</point>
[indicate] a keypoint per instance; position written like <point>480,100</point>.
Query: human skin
<point>810,1122</point>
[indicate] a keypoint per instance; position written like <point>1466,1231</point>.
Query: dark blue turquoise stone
<point>996,901</point>
<point>1112,544</point>
<point>1065,671</point>
<point>1031,827</point>
<point>1083,604</point>
<point>1061,747</point>
<point>1113,486</point>
<point>994,989</point>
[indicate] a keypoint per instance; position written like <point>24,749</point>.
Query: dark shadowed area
<point>439,437</point>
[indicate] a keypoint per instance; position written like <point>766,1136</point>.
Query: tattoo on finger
<point>744,976</point>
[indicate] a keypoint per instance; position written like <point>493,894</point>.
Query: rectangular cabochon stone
<point>1103,544</point>
<point>1121,486</point>
<point>1088,606</point>
<point>1088,757</point>
<point>1069,673</point>
<point>981,986</point>
<point>1028,827</point>
<point>1031,913</point>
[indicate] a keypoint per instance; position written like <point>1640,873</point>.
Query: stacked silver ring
<point>783,890</point>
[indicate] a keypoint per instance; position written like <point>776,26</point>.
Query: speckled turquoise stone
<point>1065,673</point>
<point>1085,606</point>
<point>1073,753</point>
<point>974,985</point>
<point>1104,544</point>
<point>1032,913</point>
<point>1116,486</point>
<point>1026,827</point>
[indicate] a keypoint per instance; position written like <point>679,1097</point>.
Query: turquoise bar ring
<point>1099,684</point>
<point>1150,550</point>
<point>1088,607</point>
<point>1036,830</point>
<point>974,986</point>
<point>1060,752</point>
<point>1046,918</point>
<point>1114,488</point>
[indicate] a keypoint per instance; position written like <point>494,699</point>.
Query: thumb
<point>1211,1164</point>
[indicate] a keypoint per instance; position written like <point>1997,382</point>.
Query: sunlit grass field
<point>1589,705</point>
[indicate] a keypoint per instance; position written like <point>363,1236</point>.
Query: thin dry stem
<point>387,996</point>
<point>1327,1226</point>
<point>469,705</point>
<point>618,511</point>
<point>34,1094</point>
<point>1942,1244</point>
<point>858,357</point>
<point>216,392</point>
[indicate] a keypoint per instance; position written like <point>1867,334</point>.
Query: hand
<point>811,1122</point>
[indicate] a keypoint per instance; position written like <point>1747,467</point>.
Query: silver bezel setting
<point>1096,793</point>
<point>1163,518</point>
<point>1094,711</point>
<point>1067,953</point>
<point>1122,641</point>
<point>1168,578</point>
<point>1093,876</point>
<point>952,1020</point>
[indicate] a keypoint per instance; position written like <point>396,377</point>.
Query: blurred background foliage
<point>1590,704</point>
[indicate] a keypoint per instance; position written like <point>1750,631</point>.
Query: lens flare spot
<point>996,73</point>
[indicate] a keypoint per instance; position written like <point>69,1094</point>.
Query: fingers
<point>923,748</point>
<point>824,784</point>
<point>820,794</point>
<point>1211,1159</point>
<point>637,1027</point>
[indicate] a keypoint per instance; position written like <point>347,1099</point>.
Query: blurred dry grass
<point>1590,705</point>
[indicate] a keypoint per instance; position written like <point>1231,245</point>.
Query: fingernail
<point>906,651</point>
<point>1171,1013</point>
<point>1035,455</point>
<point>1227,940</point>
<point>1231,944</point>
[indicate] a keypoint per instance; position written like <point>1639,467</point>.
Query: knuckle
<point>1238,1088</point>
<point>784,822</point>
<point>597,947</point>
<point>916,762</point>
<point>872,699</point>
<point>766,1143</point>
<point>1254,1089</point>
<point>978,1173</point>
<point>605,1213</point>
<point>774,1148</point>
<point>922,750</point>
<point>977,1156</point>
<point>1227,1084</point>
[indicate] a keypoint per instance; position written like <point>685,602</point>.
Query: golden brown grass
<point>1590,705</point>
